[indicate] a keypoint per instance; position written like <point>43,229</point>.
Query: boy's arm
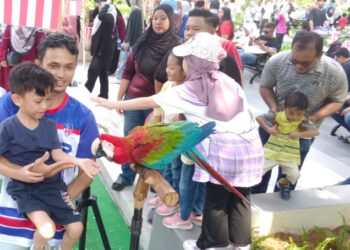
<point>87,165</point>
<point>142,103</point>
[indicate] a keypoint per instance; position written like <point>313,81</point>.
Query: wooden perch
<point>154,179</point>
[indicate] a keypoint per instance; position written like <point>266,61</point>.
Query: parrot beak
<point>102,148</point>
<point>97,149</point>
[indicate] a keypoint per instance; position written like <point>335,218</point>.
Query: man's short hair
<point>302,41</point>
<point>209,18</point>
<point>214,4</point>
<point>199,4</point>
<point>344,52</point>
<point>270,26</point>
<point>57,40</point>
<point>26,77</point>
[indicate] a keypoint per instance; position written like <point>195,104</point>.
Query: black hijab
<point>135,25</point>
<point>150,49</point>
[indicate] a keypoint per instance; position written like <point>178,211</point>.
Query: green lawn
<point>117,231</point>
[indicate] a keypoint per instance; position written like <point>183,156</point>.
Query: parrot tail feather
<point>199,160</point>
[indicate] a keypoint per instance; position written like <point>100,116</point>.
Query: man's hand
<point>294,136</point>
<point>90,167</point>
<point>313,118</point>
<point>26,174</point>
<point>345,111</point>
<point>50,170</point>
<point>273,130</point>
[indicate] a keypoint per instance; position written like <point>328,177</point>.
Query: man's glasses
<point>305,64</point>
<point>56,36</point>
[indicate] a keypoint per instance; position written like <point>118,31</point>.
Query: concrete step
<point>322,207</point>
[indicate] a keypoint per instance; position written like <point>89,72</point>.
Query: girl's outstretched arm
<point>133,104</point>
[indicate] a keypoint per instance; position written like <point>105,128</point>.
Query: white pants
<point>290,169</point>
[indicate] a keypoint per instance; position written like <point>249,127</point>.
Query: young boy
<point>285,129</point>
<point>26,136</point>
<point>76,128</point>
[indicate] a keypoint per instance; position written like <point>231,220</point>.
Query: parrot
<point>156,145</point>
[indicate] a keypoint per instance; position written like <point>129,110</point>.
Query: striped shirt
<point>325,83</point>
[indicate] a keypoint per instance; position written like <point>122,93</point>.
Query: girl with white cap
<point>234,150</point>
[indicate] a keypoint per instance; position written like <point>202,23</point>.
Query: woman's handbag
<point>12,57</point>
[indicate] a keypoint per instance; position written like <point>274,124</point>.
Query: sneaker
<point>175,222</point>
<point>163,210</point>
<point>190,245</point>
<point>154,201</point>
<point>284,187</point>
<point>196,219</point>
<point>119,186</point>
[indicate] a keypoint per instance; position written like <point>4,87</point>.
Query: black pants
<point>280,39</point>
<point>226,218</point>
<point>98,68</point>
<point>114,61</point>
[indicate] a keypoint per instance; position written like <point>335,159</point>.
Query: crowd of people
<point>183,63</point>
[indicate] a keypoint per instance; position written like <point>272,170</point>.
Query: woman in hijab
<point>23,40</point>
<point>134,30</point>
<point>101,47</point>
<point>138,75</point>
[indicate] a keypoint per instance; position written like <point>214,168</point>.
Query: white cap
<point>203,45</point>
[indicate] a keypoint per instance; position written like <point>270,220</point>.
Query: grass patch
<point>314,239</point>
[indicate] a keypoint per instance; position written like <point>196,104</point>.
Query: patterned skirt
<point>239,158</point>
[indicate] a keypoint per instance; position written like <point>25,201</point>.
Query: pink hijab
<point>205,85</point>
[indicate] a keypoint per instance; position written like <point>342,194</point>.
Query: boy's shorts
<point>51,198</point>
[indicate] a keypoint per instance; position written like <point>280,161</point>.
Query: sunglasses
<point>304,64</point>
<point>56,36</point>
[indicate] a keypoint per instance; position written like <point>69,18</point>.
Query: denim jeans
<point>172,173</point>
<point>247,58</point>
<point>132,118</point>
<point>345,182</point>
<point>121,63</point>
<point>192,194</point>
<point>343,120</point>
<point>305,145</point>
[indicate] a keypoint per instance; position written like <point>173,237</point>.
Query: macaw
<point>156,145</point>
